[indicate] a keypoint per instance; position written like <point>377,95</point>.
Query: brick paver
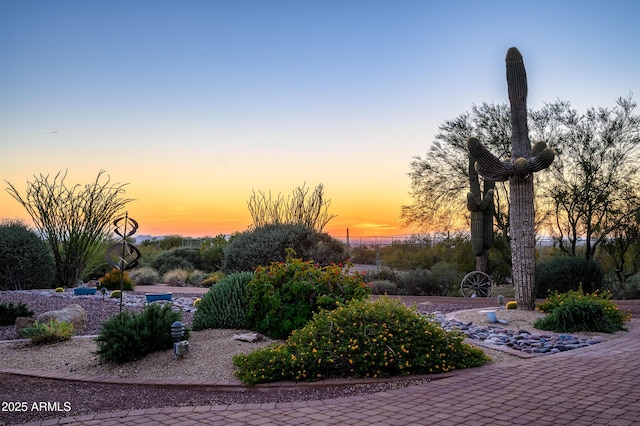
<point>595,385</point>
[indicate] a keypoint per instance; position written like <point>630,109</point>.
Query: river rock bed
<point>536,343</point>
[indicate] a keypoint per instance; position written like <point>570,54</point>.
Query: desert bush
<point>565,273</point>
<point>629,289</point>
<point>225,304</point>
<point>266,244</point>
<point>445,279</point>
<point>129,336</point>
<point>115,294</point>
<point>383,273</point>
<point>361,338</point>
<point>283,296</point>
<point>195,277</point>
<point>409,254</point>
<point>25,259</point>
<point>212,278</point>
<point>166,262</point>
<point>208,258</point>
<point>414,283</point>
<point>145,275</point>
<point>9,312</point>
<point>383,287</point>
<point>575,311</point>
<point>44,333</point>
<point>111,280</point>
<point>177,277</point>
<point>212,253</point>
<point>364,254</point>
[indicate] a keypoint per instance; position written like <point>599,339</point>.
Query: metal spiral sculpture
<point>123,255</point>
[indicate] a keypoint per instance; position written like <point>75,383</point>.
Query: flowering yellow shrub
<point>361,338</point>
<point>512,305</point>
<point>59,290</point>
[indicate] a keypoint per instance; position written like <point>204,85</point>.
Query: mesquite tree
<point>519,170</point>
<point>74,221</point>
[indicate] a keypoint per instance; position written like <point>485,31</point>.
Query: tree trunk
<point>523,241</point>
<point>482,262</point>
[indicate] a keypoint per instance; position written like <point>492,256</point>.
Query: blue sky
<point>197,103</point>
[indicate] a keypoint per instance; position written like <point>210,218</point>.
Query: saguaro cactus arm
<point>487,164</point>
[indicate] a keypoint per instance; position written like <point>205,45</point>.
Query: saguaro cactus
<point>480,204</point>
<point>518,170</point>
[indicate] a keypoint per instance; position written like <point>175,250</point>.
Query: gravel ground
<point>85,398</point>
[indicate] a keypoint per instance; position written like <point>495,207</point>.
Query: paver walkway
<point>595,385</point>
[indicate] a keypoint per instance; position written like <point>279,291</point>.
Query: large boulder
<point>74,314</point>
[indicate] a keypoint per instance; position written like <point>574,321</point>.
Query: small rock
<point>249,337</point>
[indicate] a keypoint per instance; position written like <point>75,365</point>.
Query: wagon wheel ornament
<point>476,284</point>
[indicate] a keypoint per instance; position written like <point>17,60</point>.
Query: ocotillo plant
<point>480,204</point>
<point>518,170</point>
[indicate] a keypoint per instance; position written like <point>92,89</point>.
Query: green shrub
<point>51,332</point>
<point>177,277</point>
<point>283,296</point>
<point>126,337</point>
<point>115,294</point>
<point>561,274</point>
<point>225,304</point>
<point>9,312</point>
<point>361,338</point>
<point>266,244</point>
<point>575,311</point>
<point>26,260</point>
<point>383,287</point>
<point>145,275</point>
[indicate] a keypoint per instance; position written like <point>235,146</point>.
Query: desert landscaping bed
<point>210,358</point>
